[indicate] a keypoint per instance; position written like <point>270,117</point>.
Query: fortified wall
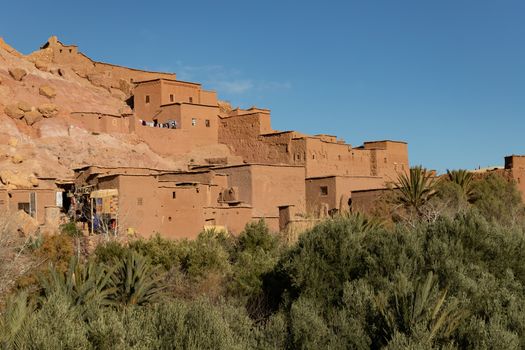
<point>515,164</point>
<point>283,177</point>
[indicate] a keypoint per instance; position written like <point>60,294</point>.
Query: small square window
<point>24,207</point>
<point>324,190</point>
<point>171,97</point>
<point>207,123</point>
<point>147,98</point>
<point>193,121</point>
<point>139,201</point>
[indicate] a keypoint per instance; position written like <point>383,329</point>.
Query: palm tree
<point>463,179</point>
<point>416,189</point>
<point>16,314</point>
<point>136,281</point>
<point>88,283</point>
<point>426,305</point>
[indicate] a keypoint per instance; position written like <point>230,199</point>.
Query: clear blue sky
<point>447,76</point>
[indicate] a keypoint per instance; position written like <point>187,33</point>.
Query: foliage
<point>351,282</point>
<point>136,281</point>
<point>84,284</point>
<point>465,180</point>
<point>499,200</point>
<point>70,229</point>
<point>416,188</point>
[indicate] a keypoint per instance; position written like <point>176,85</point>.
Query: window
<point>171,97</point>
<point>207,123</point>
<point>385,160</point>
<point>70,50</point>
<point>193,121</point>
<point>191,99</point>
<point>324,190</point>
<point>60,50</point>
<point>174,195</point>
<point>147,98</point>
<point>139,201</point>
<point>24,207</point>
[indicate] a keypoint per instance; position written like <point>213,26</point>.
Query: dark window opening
<point>324,190</point>
<point>147,98</point>
<point>70,50</point>
<point>171,97</point>
<point>191,99</point>
<point>60,50</point>
<point>207,123</point>
<point>24,206</point>
<point>174,195</point>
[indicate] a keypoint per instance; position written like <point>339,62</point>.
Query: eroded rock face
<point>13,180</point>
<point>13,111</point>
<point>23,224</point>
<point>32,117</point>
<point>42,65</point>
<point>48,110</point>
<point>47,91</point>
<point>17,73</point>
<point>24,106</point>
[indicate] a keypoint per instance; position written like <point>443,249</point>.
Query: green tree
<point>136,281</point>
<point>416,188</point>
<point>465,180</point>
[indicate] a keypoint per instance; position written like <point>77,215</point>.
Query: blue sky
<point>446,76</point>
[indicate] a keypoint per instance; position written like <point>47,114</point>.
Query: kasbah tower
<point>287,178</point>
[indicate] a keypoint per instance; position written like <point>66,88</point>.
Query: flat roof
<point>258,164</point>
<point>384,141</point>
<point>120,167</point>
<point>166,79</point>
<point>189,103</point>
<point>344,176</point>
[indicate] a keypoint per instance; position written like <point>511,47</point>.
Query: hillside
<point>38,137</point>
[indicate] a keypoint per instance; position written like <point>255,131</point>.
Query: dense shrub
<point>451,277</point>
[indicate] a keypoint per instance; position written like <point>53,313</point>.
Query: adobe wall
<point>365,201</point>
<point>138,203</point>
<point>103,123</point>
<point>266,187</point>
<point>339,189</point>
<point>241,178</point>
<point>99,73</point>
<point>179,91</point>
<point>150,108</point>
<point>315,198</point>
<point>241,134</point>
<point>516,166</point>
<point>165,142</point>
<point>234,219</point>
<point>44,198</point>
<point>391,156</point>
<point>181,210</point>
<point>275,186</point>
